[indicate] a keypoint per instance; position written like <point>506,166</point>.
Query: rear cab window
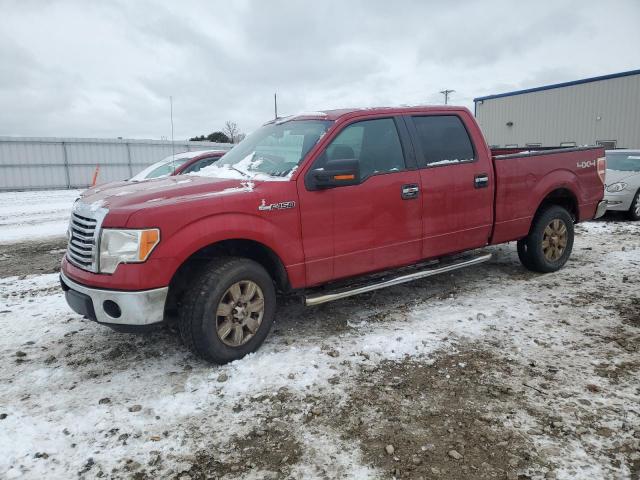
<point>442,140</point>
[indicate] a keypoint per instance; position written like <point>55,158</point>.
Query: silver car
<point>622,191</point>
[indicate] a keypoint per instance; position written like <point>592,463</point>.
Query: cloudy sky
<point>107,69</point>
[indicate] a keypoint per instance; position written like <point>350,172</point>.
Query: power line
<point>446,94</point>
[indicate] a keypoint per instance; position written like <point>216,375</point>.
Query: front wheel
<point>550,241</point>
<point>634,210</point>
<point>228,310</point>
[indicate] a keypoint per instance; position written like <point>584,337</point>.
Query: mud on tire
<point>220,319</point>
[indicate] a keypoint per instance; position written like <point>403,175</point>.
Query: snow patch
<point>35,215</point>
<point>448,162</point>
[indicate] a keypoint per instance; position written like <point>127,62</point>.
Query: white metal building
<point>600,110</point>
<point>46,163</point>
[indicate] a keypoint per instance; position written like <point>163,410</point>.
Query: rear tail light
<point>602,168</point>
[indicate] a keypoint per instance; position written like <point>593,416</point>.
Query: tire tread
<point>190,314</point>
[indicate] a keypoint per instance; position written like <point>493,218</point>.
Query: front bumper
<point>620,201</point>
<point>139,308</point>
<point>601,209</point>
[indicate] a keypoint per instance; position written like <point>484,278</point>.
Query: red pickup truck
<point>322,205</point>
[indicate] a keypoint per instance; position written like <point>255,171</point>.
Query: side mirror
<point>335,173</point>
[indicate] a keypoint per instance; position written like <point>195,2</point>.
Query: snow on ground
<point>522,374</point>
<point>35,215</point>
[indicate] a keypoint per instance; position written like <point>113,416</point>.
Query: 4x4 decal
<point>586,164</point>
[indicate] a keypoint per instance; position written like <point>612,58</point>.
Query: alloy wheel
<point>554,240</point>
<point>239,313</point>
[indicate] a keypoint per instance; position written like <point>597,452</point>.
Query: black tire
<point>634,209</point>
<point>530,249</point>
<point>522,254</point>
<point>198,314</point>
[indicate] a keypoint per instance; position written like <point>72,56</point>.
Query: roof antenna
<point>173,150</point>
<point>275,104</point>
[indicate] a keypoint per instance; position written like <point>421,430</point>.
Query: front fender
<point>280,232</point>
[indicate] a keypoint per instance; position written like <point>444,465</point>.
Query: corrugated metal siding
<point>566,114</point>
<point>42,163</point>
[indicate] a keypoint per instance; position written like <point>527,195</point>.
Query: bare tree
<point>232,131</point>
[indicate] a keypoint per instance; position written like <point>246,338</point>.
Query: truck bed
<point>524,179</point>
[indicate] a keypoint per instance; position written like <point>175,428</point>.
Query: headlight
<point>126,246</point>
<point>616,187</point>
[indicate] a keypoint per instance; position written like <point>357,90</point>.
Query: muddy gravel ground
<point>28,258</point>
<point>493,372</point>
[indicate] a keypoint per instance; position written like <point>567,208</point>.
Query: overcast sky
<point>107,69</point>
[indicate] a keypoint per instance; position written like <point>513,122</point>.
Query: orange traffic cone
<point>95,176</point>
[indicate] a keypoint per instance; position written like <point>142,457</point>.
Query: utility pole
<point>446,95</point>
<point>275,104</point>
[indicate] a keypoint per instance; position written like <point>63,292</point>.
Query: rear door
<point>457,184</point>
<point>377,224</point>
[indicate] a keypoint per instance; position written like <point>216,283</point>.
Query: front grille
<point>82,241</point>
<point>84,230</point>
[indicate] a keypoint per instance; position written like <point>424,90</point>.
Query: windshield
<point>273,152</point>
<point>163,168</point>
<point>624,162</point>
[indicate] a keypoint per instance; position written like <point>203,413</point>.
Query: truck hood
<point>614,176</point>
<point>133,196</point>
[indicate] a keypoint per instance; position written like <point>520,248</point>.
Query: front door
<point>377,224</point>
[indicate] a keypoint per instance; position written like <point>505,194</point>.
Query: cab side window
<point>443,140</point>
<point>374,143</point>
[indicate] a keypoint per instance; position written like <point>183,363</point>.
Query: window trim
<point>417,145</point>
<point>403,137</point>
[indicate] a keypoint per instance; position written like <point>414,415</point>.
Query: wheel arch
<point>563,197</point>
<point>236,247</point>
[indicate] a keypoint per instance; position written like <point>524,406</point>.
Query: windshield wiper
<point>239,171</point>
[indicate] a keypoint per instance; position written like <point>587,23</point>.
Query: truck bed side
<point>524,181</point>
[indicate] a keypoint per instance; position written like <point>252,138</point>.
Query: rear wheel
<point>634,211</point>
<point>228,310</point>
<point>550,241</point>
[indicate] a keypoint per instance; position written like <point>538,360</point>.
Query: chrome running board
<point>317,299</point>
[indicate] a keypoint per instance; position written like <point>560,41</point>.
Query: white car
<point>179,164</point>
<point>622,191</point>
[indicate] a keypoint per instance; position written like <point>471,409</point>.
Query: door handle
<point>481,180</point>
<point>409,191</point>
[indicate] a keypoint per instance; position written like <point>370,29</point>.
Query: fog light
<point>112,309</point>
